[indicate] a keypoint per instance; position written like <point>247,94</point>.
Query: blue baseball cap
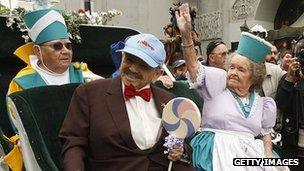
<point>45,25</point>
<point>146,47</point>
<point>253,47</point>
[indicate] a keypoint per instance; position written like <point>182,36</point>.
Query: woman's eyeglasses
<point>59,45</point>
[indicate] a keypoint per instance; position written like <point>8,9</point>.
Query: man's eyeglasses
<point>59,45</point>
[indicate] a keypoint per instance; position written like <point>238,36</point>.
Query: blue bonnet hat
<point>253,47</point>
<point>45,25</point>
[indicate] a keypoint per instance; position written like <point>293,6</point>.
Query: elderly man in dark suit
<point>115,124</point>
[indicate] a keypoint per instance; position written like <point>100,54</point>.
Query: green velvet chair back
<point>42,111</point>
<point>9,66</point>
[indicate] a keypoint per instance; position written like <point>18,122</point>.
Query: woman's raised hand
<point>183,18</point>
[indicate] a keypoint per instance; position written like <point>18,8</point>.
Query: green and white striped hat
<point>45,25</point>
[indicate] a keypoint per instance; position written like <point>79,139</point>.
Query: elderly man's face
<point>218,56</point>
<point>136,72</point>
<point>239,75</point>
<point>273,56</point>
<point>56,55</point>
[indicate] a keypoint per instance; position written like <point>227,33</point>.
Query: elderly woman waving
<point>233,112</point>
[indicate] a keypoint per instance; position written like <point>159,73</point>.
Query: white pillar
<point>92,6</point>
<point>82,4</point>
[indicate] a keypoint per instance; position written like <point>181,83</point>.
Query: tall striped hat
<point>45,25</point>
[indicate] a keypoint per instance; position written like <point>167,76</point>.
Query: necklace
<point>245,107</point>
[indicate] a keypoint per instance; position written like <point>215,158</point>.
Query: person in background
<point>272,57</point>
<point>286,57</point>
<point>271,81</point>
<point>234,113</point>
<point>179,69</point>
<point>122,131</point>
<point>290,100</point>
<point>216,57</point>
<point>217,52</point>
<point>273,72</point>
<point>49,55</point>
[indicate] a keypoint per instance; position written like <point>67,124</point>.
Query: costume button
<point>76,65</point>
<point>287,120</point>
<point>84,66</point>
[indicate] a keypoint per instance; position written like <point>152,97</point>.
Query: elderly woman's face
<point>239,73</point>
<point>57,55</point>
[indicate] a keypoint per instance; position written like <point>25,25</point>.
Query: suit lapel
<point>116,105</point>
<point>160,101</point>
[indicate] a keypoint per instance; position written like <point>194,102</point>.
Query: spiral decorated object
<point>181,117</point>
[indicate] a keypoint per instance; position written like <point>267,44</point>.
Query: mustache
<point>233,77</point>
<point>133,74</point>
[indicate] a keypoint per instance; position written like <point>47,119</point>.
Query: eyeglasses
<point>59,45</point>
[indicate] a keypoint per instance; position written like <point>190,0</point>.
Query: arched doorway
<point>288,13</point>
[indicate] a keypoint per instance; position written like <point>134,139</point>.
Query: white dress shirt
<point>271,81</point>
<point>144,119</point>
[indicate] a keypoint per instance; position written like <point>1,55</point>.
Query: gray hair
<point>257,70</point>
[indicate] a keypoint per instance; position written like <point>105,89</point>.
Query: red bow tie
<point>130,92</point>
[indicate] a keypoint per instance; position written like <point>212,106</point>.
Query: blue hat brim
<point>146,58</point>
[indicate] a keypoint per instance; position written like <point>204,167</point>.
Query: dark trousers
<point>291,150</point>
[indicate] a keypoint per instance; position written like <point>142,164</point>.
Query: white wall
<point>150,16</point>
<point>267,10</point>
<point>233,31</point>
<point>147,16</point>
<point>208,6</point>
<point>265,15</point>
